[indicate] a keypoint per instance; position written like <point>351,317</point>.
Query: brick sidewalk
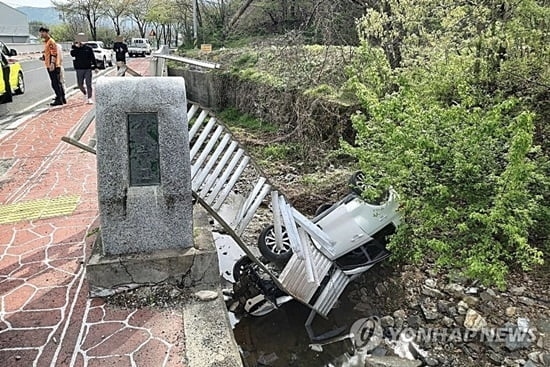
<point>48,214</point>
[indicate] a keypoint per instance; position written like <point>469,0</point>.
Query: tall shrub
<point>441,129</point>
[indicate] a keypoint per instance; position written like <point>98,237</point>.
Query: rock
<point>413,321</point>
<point>447,321</point>
<point>543,341</point>
<point>430,361</point>
<point>443,306</point>
<point>527,301</point>
<point>462,308</point>
<point>510,311</point>
<point>206,295</point>
<point>361,307</point>
<point>530,364</point>
<point>380,289</point>
<point>517,291</point>
<point>472,290</point>
<point>379,351</point>
<point>543,325</point>
<point>383,361</point>
<point>471,301</point>
<point>267,360</point>
<point>491,292</point>
<point>400,314</point>
<point>453,311</point>
<point>455,290</point>
<point>534,356</point>
<point>517,339</point>
<point>523,324</point>
<point>545,359</point>
<point>430,282</point>
<point>431,292</point>
<point>474,321</point>
<point>486,296</point>
<point>387,321</point>
<point>430,312</point>
<point>495,358</point>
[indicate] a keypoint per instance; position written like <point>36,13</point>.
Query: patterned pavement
<point>48,221</point>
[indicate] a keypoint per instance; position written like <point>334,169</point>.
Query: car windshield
<point>92,45</point>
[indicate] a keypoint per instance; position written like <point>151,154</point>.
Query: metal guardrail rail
<point>225,177</point>
<point>231,187</point>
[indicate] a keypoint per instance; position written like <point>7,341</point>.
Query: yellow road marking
<point>38,209</point>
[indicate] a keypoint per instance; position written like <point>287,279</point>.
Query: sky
<point>35,3</point>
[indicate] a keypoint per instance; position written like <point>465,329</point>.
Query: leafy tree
<point>91,10</point>
<point>117,10</point>
<point>443,124</point>
<point>137,11</point>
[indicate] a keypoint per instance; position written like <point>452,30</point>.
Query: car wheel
<point>268,246</point>
<point>20,84</point>
<point>357,182</point>
<point>111,62</point>
<point>103,64</point>
<point>240,266</point>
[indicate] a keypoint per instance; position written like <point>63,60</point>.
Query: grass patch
<point>232,117</point>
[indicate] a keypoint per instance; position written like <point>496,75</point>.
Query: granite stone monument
<point>144,182</point>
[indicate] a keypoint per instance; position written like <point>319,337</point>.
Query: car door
<point>3,62</point>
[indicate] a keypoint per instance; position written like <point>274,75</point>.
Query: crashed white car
<point>358,233</point>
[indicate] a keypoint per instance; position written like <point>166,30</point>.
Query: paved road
<point>38,92</point>
<point>38,87</point>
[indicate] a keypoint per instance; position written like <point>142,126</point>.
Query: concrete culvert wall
<point>302,117</point>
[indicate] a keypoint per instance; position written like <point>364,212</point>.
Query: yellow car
<point>11,74</point>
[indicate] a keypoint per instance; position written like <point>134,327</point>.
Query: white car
<point>139,47</point>
<point>103,56</point>
<point>358,230</point>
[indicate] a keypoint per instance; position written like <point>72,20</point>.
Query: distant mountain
<point>42,15</point>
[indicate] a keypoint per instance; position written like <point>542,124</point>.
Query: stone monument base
<point>194,267</point>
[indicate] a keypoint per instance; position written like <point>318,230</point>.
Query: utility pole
<point>195,37</point>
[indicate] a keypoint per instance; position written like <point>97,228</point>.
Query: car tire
<point>239,267</point>
<point>268,247</point>
<point>20,84</point>
<point>103,64</point>
<point>111,62</point>
<point>357,182</point>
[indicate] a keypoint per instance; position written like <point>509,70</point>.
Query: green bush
<point>470,179</point>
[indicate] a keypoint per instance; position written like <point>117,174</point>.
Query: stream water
<point>280,339</point>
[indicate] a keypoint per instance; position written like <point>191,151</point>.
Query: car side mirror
<point>13,52</point>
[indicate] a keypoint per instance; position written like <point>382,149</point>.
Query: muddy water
<point>279,339</point>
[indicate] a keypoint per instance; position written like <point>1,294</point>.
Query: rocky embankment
<point>421,318</point>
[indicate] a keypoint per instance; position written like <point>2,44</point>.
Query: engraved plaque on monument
<point>143,149</point>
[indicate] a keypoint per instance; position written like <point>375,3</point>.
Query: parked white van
<point>139,47</point>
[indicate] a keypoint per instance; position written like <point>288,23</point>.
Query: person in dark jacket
<point>120,49</point>
<point>84,62</point>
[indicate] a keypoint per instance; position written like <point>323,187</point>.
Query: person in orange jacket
<point>53,64</point>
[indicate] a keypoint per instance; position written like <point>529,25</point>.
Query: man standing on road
<point>53,65</point>
<point>120,49</point>
<point>84,62</point>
